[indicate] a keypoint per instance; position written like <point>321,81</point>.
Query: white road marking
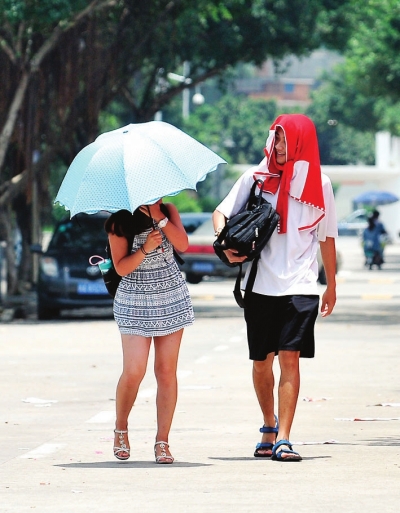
<point>236,339</point>
<point>42,451</point>
<point>102,417</point>
<point>221,348</point>
<point>39,402</point>
<point>202,359</point>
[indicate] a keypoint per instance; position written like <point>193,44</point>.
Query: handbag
<point>110,276</point>
<point>247,232</point>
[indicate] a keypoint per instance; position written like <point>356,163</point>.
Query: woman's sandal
<point>163,457</point>
<point>292,455</point>
<point>266,446</point>
<point>122,445</point>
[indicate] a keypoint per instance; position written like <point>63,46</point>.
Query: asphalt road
<point>57,412</point>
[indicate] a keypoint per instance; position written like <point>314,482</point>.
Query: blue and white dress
<point>153,300</point>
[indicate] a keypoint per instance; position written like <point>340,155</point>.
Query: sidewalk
<point>57,457</point>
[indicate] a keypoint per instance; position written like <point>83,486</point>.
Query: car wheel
<point>322,276</point>
<point>45,314</point>
<point>193,278</point>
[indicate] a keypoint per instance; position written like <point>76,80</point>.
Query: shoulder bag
<point>248,232</point>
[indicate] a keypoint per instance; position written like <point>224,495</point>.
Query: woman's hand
<point>154,239</point>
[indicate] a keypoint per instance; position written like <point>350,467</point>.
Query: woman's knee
<point>133,376</point>
<point>165,373</point>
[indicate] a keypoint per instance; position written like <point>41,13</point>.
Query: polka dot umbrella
<point>134,165</point>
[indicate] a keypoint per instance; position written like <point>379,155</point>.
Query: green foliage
<point>185,201</point>
<point>236,127</point>
<point>364,93</point>
<point>345,123</point>
<point>38,15</point>
<point>374,49</point>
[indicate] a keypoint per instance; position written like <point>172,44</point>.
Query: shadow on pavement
<point>383,441</point>
<point>269,459</point>
<point>366,314</point>
<point>129,464</point>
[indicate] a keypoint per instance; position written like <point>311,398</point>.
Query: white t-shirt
<point>288,263</point>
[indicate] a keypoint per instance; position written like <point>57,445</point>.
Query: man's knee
<point>289,360</point>
<point>264,366</point>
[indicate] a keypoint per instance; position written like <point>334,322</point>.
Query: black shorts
<point>280,323</point>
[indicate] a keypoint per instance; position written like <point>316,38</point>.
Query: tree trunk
<point>12,116</point>
<point>8,237</point>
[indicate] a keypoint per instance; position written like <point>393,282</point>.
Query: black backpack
<point>248,232</point>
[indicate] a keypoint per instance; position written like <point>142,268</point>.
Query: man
<point>281,309</point>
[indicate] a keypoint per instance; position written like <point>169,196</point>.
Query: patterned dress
<point>153,300</point>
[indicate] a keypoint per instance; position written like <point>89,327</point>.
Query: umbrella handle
<point>96,263</point>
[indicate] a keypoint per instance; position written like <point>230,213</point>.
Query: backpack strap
<point>249,285</point>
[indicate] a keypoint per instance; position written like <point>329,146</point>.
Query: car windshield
<point>191,221</point>
<point>83,233</point>
<point>206,228</point>
<point>356,216</point>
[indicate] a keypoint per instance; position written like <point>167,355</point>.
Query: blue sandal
<point>277,456</point>
<point>266,446</point>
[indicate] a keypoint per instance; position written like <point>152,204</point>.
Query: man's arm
<point>328,253</point>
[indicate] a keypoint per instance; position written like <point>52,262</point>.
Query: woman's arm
<point>126,262</point>
<point>173,230</point>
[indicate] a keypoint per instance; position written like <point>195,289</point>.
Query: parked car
<point>201,260</point>
<point>353,224</point>
<point>192,220</point>
<point>66,279</point>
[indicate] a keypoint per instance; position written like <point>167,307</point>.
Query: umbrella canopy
<point>375,198</point>
<point>134,165</point>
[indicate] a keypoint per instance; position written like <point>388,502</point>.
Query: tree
<point>344,123</point>
<point>63,61</point>
<point>364,92</point>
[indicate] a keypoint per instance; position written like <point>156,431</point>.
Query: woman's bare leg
<point>165,366</point>
<point>135,351</point>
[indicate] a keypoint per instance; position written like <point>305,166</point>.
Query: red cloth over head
<point>302,154</point>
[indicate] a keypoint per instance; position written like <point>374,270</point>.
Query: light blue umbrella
<point>134,165</point>
<point>375,198</point>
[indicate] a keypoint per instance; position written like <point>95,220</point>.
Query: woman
<point>152,302</point>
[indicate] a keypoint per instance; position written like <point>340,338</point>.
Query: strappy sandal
<point>277,456</point>
<point>266,446</point>
<point>122,445</point>
<point>163,455</point>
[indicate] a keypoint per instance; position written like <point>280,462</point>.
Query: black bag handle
<point>249,285</point>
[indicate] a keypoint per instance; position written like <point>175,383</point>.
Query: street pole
<point>186,92</point>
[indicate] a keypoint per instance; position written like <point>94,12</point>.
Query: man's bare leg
<point>263,380</point>
<point>288,393</point>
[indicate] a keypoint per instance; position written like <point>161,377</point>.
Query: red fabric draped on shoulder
<point>300,176</point>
